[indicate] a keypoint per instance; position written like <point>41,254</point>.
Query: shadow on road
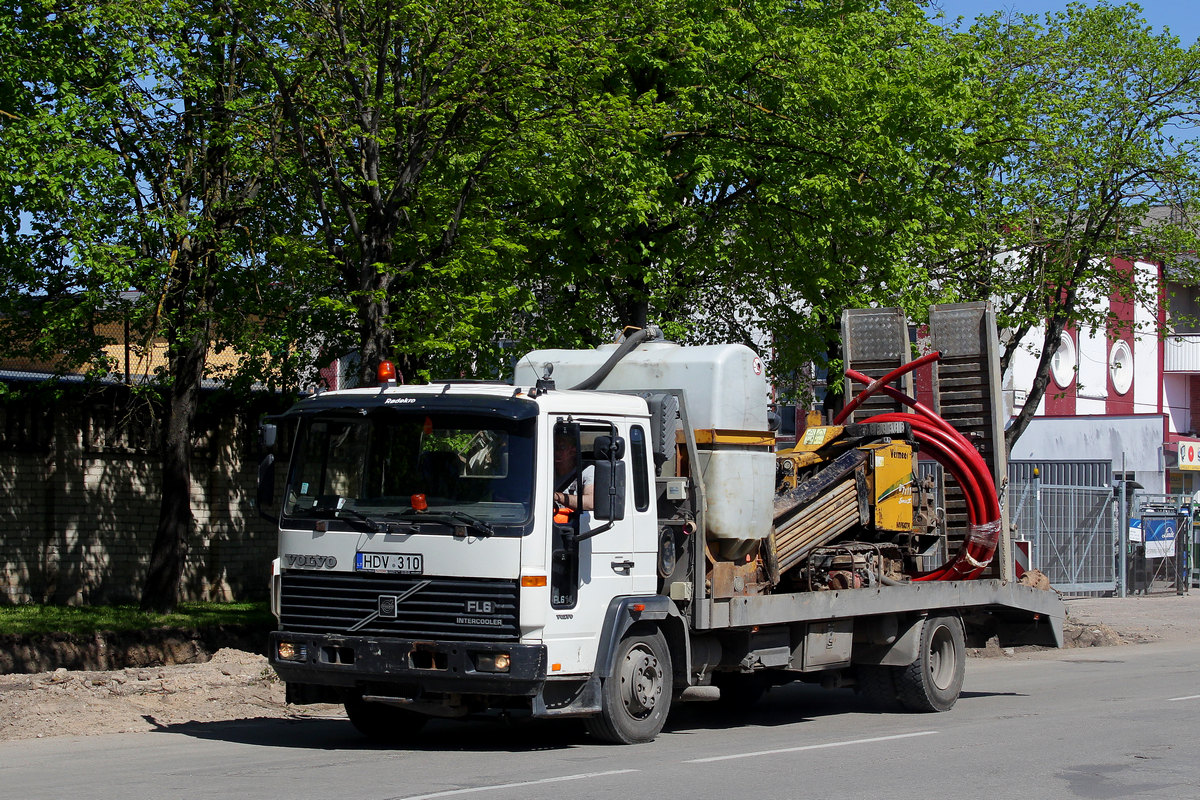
<point>784,705</point>
<point>473,735</point>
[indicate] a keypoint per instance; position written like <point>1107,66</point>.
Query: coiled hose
<point>958,456</point>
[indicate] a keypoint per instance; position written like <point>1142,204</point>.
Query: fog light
<point>492,662</point>
<point>291,651</point>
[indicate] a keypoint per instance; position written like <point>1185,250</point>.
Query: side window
<point>641,476</point>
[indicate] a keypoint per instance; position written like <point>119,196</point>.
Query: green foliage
<point>1094,117</point>
<point>25,620</point>
<point>444,184</point>
<point>743,173</point>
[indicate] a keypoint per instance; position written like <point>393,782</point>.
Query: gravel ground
<point>1140,619</point>
<point>237,685</point>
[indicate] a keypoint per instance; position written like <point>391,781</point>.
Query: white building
<point>1124,393</point>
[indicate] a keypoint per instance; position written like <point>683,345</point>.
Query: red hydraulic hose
<point>901,397</point>
<point>954,452</point>
<point>968,450</point>
<point>903,369</point>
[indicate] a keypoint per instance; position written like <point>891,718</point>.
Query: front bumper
<point>411,667</point>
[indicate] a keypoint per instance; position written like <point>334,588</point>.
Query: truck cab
<point>437,556</point>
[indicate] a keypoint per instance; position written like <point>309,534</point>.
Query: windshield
<point>470,466</point>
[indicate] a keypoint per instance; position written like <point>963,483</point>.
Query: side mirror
<point>609,484</point>
<point>267,433</point>
<point>266,487</point>
<point>609,448</point>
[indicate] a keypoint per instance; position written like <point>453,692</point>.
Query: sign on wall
<point>1159,536</point>
<point>1189,455</point>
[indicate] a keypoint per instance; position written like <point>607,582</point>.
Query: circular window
<point>1063,365</point>
<point>1120,366</point>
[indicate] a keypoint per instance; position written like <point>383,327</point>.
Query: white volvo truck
<point>425,569</point>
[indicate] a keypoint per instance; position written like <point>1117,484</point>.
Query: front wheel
<point>934,680</point>
<point>635,698</point>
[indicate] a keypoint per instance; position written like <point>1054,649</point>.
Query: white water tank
<point>726,390</point>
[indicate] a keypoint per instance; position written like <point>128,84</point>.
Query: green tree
<point>404,116</point>
<point>1096,115</point>
<point>138,157</point>
<point>774,163</point>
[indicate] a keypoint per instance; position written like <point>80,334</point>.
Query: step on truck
<point>618,525</point>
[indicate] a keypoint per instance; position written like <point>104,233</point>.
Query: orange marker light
<point>419,503</point>
<point>533,581</point>
<point>386,372</point>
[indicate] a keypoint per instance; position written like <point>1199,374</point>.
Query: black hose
<point>634,339</point>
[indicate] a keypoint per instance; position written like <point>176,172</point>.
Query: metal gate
<point>1071,534</point>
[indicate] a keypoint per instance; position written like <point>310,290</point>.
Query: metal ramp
<point>875,341</point>
<point>966,392</point>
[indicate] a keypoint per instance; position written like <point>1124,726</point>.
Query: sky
<point>1182,17</point>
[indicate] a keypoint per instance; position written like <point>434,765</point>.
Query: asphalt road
<point>1113,722</point>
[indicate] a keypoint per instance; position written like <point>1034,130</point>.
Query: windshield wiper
<point>482,527</point>
<point>372,525</point>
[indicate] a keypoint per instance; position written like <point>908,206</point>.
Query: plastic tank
<point>725,387</point>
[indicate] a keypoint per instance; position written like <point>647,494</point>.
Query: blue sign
<point>1159,536</point>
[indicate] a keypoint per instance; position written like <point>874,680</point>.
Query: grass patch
<point>33,619</point>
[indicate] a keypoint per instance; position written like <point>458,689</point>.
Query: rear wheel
<point>934,680</point>
<point>635,699</point>
<point>382,723</point>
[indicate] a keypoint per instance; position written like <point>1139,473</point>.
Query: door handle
<point>622,566</point>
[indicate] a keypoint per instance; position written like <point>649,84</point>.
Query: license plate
<point>392,563</point>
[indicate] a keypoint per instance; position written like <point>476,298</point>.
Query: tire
<point>739,691</point>
<point>382,723</point>
<point>934,680</point>
<point>877,684</point>
<point>636,697</point>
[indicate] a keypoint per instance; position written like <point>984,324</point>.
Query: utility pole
<point>1122,536</point>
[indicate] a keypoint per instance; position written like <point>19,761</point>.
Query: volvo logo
<point>304,561</point>
<point>385,606</point>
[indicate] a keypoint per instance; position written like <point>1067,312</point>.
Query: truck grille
<point>447,609</point>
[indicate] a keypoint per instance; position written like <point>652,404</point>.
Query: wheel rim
<point>641,681</point>
<point>943,660</point>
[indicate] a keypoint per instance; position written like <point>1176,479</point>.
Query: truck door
<point>604,565</point>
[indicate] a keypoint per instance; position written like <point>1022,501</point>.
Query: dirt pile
<point>233,685</point>
<point>1081,634</point>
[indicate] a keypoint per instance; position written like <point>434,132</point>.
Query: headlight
<point>292,651</point>
<point>492,662</point>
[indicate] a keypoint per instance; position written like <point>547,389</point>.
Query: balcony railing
<point>1181,353</point>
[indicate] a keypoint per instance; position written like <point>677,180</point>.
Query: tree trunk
<point>374,284</point>
<point>1041,379</point>
<point>175,519</point>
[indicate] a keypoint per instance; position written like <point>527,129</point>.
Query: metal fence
<point>1071,533</point>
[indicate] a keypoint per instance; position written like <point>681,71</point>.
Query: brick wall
<point>79,500</point>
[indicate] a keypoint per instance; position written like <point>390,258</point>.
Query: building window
<point>1063,365</point>
<point>1120,366</point>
